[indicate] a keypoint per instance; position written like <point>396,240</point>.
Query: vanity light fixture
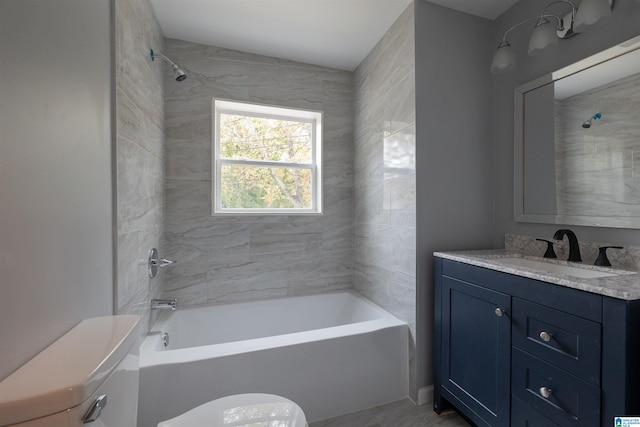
<point>546,34</point>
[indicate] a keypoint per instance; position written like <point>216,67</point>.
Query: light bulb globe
<point>591,13</point>
<point>504,60</point>
<point>544,35</point>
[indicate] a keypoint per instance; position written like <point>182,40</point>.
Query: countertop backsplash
<point>627,258</point>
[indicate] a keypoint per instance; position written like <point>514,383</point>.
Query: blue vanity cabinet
<point>513,351</point>
<point>475,350</point>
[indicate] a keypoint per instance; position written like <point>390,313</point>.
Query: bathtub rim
<point>149,356</point>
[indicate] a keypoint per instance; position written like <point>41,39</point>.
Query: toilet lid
<point>242,410</point>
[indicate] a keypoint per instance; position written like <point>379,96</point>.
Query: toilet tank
<point>91,372</point>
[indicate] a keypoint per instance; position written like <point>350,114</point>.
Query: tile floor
<point>403,413</point>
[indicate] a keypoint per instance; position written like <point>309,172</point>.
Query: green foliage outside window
<point>267,141</point>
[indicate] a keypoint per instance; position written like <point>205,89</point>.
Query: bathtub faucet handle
<point>155,262</point>
<point>163,262</point>
<point>164,303</point>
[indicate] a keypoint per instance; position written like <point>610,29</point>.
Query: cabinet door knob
<point>545,336</point>
<point>499,312</point>
<point>545,392</point>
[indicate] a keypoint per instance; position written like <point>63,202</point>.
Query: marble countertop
<point>625,285</point>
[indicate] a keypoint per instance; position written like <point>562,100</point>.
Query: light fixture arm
<point>590,13</point>
<point>533,18</point>
<point>542,15</point>
<point>573,9</point>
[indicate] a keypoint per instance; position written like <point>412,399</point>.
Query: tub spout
<point>164,303</point>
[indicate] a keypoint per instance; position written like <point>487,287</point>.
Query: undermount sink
<point>550,267</point>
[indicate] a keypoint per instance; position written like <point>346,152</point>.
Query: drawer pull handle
<point>499,312</point>
<point>545,392</point>
<point>545,336</point>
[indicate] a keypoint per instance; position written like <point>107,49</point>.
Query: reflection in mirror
<point>577,143</point>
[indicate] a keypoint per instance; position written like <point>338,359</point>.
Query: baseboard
<point>425,395</point>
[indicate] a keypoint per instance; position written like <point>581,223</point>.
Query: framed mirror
<point>577,143</point>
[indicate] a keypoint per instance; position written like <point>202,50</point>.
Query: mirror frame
<point>518,138</point>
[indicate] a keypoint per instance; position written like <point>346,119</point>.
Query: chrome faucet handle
<point>154,262</point>
<point>162,262</point>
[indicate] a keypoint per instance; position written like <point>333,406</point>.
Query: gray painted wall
<point>453,149</point>
<point>623,26</point>
<point>140,154</point>
<point>385,177</point>
<point>539,150</point>
<point>235,258</point>
<point>56,240</point>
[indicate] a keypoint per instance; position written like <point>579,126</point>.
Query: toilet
<point>242,409</point>
<point>89,376</point>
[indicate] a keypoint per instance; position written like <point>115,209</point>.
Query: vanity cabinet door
<point>476,347</point>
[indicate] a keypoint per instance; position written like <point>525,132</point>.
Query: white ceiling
<point>332,33</point>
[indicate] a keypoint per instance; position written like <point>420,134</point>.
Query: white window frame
<point>266,111</point>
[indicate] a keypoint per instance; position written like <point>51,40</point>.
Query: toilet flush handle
<point>94,412</point>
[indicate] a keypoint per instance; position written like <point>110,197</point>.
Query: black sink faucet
<point>574,248</point>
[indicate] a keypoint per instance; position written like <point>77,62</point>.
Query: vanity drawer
<point>522,415</point>
<point>569,400</point>
<point>563,340</point>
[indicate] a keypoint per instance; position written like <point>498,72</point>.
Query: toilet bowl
<point>254,409</point>
<point>90,376</point>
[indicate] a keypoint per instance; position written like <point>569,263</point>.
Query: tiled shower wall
<point>597,169</point>
<point>228,259</point>
<point>385,180</point>
<point>140,153</point>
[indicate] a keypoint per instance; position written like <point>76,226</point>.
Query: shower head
<point>179,72</point>
<point>596,117</point>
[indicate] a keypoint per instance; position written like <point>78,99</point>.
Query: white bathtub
<point>331,354</point>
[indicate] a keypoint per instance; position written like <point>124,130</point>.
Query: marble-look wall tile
<point>399,156</point>
<point>402,201</point>
<point>369,161</point>
<point>372,280</point>
<point>140,155</point>
<point>595,172</point>
<point>336,236</point>
<point>402,296</point>
<point>372,202</point>
<point>384,256</point>
<point>285,239</point>
<point>237,258</point>
<point>399,113</point>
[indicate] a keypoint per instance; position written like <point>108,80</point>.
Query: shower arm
<point>173,64</point>
<point>181,75</point>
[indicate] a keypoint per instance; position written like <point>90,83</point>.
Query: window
<point>267,160</point>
